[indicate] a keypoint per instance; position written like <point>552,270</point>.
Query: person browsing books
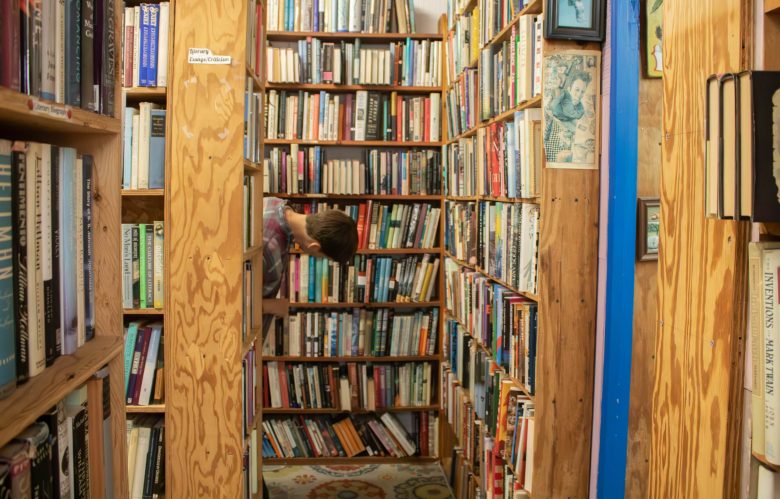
<point>330,234</point>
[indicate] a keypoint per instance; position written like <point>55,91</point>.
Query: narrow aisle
<point>347,481</point>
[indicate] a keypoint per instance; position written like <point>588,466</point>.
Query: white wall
<point>427,14</point>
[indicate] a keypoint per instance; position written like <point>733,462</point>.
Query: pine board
<point>204,230</point>
<point>697,393</point>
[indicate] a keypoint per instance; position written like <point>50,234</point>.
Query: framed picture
<point>654,37</point>
<point>648,229</point>
<point>570,105</point>
<point>582,20</point>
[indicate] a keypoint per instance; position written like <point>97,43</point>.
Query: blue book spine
<point>316,16</point>
<point>157,150</point>
<point>154,16</point>
<point>386,280</point>
<point>318,262</point>
<point>68,290</point>
<point>385,226</point>
<point>7,319</point>
<point>290,15</point>
<point>143,69</point>
<point>312,271</point>
<point>355,330</point>
<point>323,105</point>
<point>88,257</point>
<point>127,153</point>
<point>130,339</point>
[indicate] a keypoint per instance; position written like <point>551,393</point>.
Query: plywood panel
<point>697,396</point>
<point>645,296</point>
<point>203,304</point>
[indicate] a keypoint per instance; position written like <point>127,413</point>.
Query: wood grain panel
<point>203,304</point>
<point>645,296</point>
<point>697,396</point>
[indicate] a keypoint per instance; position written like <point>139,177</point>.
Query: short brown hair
<point>336,232</point>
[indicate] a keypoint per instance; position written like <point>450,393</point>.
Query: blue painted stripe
<point>621,247</point>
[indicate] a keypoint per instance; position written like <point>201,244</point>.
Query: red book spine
<point>10,44</point>
<point>142,365</point>
<point>283,382</point>
<point>369,268</point>
<point>360,223</point>
<point>128,56</point>
<point>266,390</point>
<point>423,432</point>
<point>312,445</point>
<point>367,226</point>
<point>258,39</point>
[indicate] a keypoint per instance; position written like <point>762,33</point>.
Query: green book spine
<point>142,262</point>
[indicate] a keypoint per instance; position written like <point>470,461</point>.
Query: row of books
<point>143,273</point>
<point>348,387</point>
<point>367,279</point>
<point>460,164</point>
<point>383,226</point>
<point>411,63</point>
<point>304,170</point>
<point>394,435</point>
<point>356,16</point>
<point>250,194</point>
<point>146,456</point>
<point>508,244</point>
<point>461,231</point>
<point>249,389</point>
<point>356,332</point>
<point>463,45</point>
<point>47,280</point>
<point>254,37</point>
<point>360,116</point>
<point>496,15</point>
<point>738,171</point>
<point>513,449</point>
<point>512,72</point>
<point>144,366</point>
<point>143,154</point>
<point>512,163</point>
<point>145,47</point>
<point>60,51</point>
<point>254,115</point>
<point>462,103</point>
<point>509,331</point>
<point>50,458</point>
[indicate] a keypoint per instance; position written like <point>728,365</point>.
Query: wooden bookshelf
<point>566,300</point>
<point>436,200</point>
<point>27,118</point>
<point>126,193</point>
<point>771,6</point>
<point>146,409</point>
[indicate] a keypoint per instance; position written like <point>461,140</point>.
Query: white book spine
<point>78,209</point>
<point>59,62</point>
<point>162,45</point>
<point>136,124</point>
<point>136,44</point>
<point>36,339</point>
<point>771,357</point>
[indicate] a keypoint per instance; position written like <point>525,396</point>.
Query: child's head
<point>331,233</point>
<point>577,85</point>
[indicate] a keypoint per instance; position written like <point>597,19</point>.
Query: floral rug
<point>344,481</point>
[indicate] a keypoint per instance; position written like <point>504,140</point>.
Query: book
<point>145,40</point>
<point>77,426</point>
<point>35,439</point>
<point>371,16</point>
<point>8,327</point>
<point>16,460</point>
<point>143,265</point>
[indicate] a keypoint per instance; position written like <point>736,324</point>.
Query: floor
<point>371,481</point>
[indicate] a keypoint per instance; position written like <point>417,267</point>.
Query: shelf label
<point>204,56</point>
<point>49,109</point>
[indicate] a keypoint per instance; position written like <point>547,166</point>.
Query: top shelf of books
<point>376,37</point>
<point>18,110</point>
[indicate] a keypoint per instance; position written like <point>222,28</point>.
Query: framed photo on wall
<point>581,20</point>
<point>648,228</point>
<point>654,34</point>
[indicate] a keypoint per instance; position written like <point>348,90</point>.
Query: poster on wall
<point>571,109</point>
<point>654,38</point>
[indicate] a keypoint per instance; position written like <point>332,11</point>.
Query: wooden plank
<point>146,409</point>
<point>645,296</point>
<point>204,229</point>
<point>697,393</point>
<point>20,111</point>
<point>771,6</point>
<point>42,392</point>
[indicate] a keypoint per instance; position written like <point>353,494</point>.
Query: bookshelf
<point>350,148</point>
<point>33,119</point>
<point>565,299</point>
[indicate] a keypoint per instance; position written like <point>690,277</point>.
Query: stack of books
<point>414,63</point>
<point>356,332</point>
<point>144,147</point>
<point>356,16</point>
<point>146,455</point>
<point>304,170</point>
<point>461,232</point>
<point>145,47</point>
<point>142,265</point>
<point>386,435</point>
<point>495,15</point>
<point>360,116</point>
<point>60,51</point>
<point>460,163</point>
<point>144,369</point>
<point>348,387</point>
<point>463,104</point>
<point>47,275</point>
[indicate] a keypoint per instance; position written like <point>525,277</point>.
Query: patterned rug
<point>371,481</point>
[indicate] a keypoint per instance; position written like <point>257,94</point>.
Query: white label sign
<point>204,56</point>
<point>47,108</point>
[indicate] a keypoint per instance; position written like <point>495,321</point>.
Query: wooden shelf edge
<point>42,392</point>
<point>145,92</point>
<point>763,460</point>
<point>143,311</point>
<point>145,409</point>
<point>273,461</point>
<point>535,7</point>
<point>143,192</point>
<point>20,110</point>
<point>771,6</point>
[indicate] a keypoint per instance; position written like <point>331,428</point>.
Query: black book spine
<point>40,470</point>
<point>51,419</point>
<point>87,54</point>
<point>299,129</point>
<point>55,247</point>
<point>19,200</point>
<point>151,457</point>
<point>372,121</point>
<point>108,63</point>
<point>149,266</point>
<point>73,53</point>
<point>158,484</point>
<point>81,455</point>
<point>282,109</point>
<point>51,289</point>
<point>97,52</point>
<point>25,33</point>
<point>36,54</point>
<point>89,269</point>
<point>136,267</point>
<point>307,78</point>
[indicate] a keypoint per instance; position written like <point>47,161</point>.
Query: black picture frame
<point>648,224</point>
<point>594,33</point>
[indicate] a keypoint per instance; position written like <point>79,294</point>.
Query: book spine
<point>73,52</point>
<point>81,455</point>
<point>89,270</point>
<point>127,53</point>
<point>149,276</point>
<point>109,54</point>
<point>157,149</point>
<point>162,46</point>
<point>159,258</point>
<point>154,16</point>
<point>7,264</point>
<point>36,339</point>
<point>87,55</point>
<point>10,45</point>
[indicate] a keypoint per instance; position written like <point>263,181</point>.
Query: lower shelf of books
<point>347,460</point>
